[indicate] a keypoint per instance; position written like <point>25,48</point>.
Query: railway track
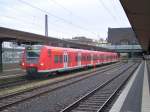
<point>15,82</point>
<point>97,100</point>
<point>7,83</point>
<point>14,98</point>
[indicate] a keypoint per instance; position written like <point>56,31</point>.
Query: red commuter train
<point>42,59</point>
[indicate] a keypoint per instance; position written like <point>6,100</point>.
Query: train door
<point>65,59</point>
<point>79,59</point>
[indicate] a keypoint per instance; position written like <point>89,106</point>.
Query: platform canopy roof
<point>7,34</point>
<point>138,13</point>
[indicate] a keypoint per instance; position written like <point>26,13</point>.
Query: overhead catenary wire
<point>31,23</point>
<point>107,9</point>
<point>67,10</point>
<point>55,2</point>
<point>55,16</point>
<point>113,2</point>
<point>20,20</point>
<point>14,11</point>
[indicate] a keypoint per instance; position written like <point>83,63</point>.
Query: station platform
<point>135,96</point>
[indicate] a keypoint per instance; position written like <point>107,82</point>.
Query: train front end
<point>30,60</point>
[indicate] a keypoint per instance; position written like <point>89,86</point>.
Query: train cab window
<point>33,53</point>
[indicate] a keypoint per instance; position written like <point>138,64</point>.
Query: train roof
<point>69,49</point>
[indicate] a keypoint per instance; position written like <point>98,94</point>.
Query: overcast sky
<point>66,18</point>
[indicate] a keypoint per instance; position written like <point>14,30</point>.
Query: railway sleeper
<point>93,103</point>
<point>96,104</point>
<point>100,96</point>
<point>86,109</point>
<point>80,111</point>
<point>97,99</point>
<point>89,106</point>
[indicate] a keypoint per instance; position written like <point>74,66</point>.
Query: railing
<point>11,55</point>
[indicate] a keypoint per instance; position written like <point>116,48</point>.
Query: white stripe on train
<point>69,68</point>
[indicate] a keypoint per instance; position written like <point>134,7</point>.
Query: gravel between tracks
<point>37,83</point>
<point>56,100</point>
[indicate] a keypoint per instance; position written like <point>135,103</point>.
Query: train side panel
<point>53,59</point>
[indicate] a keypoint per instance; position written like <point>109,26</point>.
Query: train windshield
<point>33,53</point>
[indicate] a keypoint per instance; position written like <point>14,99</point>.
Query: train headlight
<point>23,64</point>
<point>42,64</point>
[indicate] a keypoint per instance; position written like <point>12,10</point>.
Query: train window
<point>69,59</point>
<point>89,58</point>
<point>76,58</point>
<point>83,58</point>
<point>49,52</point>
<point>101,57</point>
<point>60,58</point>
<point>94,57</point>
<point>56,59</point>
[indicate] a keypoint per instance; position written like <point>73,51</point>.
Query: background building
<point>122,36</point>
<point>124,41</point>
<point>82,40</point>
